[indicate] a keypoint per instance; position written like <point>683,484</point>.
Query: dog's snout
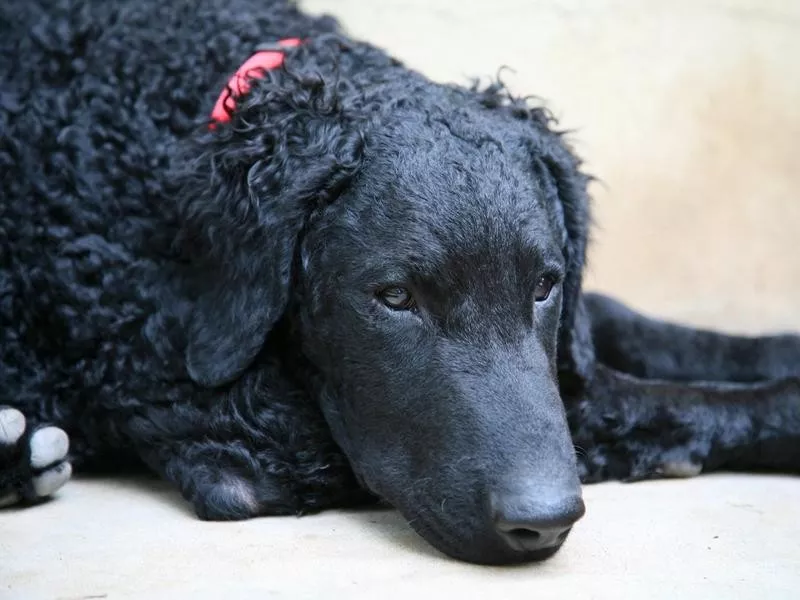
<point>535,523</point>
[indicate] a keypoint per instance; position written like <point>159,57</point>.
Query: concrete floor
<point>689,113</point>
<point>720,536</point>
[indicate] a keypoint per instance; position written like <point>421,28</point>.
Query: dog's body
<point>364,284</point>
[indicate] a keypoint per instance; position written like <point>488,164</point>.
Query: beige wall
<point>687,110</point>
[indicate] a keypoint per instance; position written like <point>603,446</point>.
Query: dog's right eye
<point>543,288</point>
<point>397,298</point>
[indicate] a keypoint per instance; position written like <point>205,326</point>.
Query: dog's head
<point>426,243</point>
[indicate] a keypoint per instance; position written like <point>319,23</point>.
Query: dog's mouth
<point>469,539</point>
<point>489,551</point>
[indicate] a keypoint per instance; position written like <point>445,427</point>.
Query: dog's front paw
<point>33,461</point>
<point>639,442</point>
<point>632,460</point>
<point>220,492</point>
<point>655,463</point>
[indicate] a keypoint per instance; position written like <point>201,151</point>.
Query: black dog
<point>353,284</point>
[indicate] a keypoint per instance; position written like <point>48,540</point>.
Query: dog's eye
<point>543,288</point>
<point>397,298</point>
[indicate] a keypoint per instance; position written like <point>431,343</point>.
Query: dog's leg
<point>652,349</point>
<point>258,447</point>
<point>33,460</point>
<point>629,428</point>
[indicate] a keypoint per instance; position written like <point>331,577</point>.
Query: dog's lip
<point>493,552</point>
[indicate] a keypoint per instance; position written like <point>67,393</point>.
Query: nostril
<point>524,535</point>
<point>523,538</point>
<point>527,525</point>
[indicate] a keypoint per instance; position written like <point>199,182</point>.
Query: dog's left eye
<point>543,288</point>
<point>397,298</point>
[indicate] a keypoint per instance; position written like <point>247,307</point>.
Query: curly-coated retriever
<point>324,281</point>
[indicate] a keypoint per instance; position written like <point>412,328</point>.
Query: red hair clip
<point>267,57</point>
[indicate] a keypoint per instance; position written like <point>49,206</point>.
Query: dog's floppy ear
<point>245,196</point>
<point>567,196</point>
<point>575,346</point>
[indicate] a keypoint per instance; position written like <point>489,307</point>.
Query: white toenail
<point>681,469</point>
<point>12,425</point>
<point>9,499</point>
<point>48,445</point>
<point>52,479</point>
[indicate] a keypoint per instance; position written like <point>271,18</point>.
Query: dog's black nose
<point>528,524</point>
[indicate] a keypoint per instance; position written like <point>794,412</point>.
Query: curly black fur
<point>204,300</point>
